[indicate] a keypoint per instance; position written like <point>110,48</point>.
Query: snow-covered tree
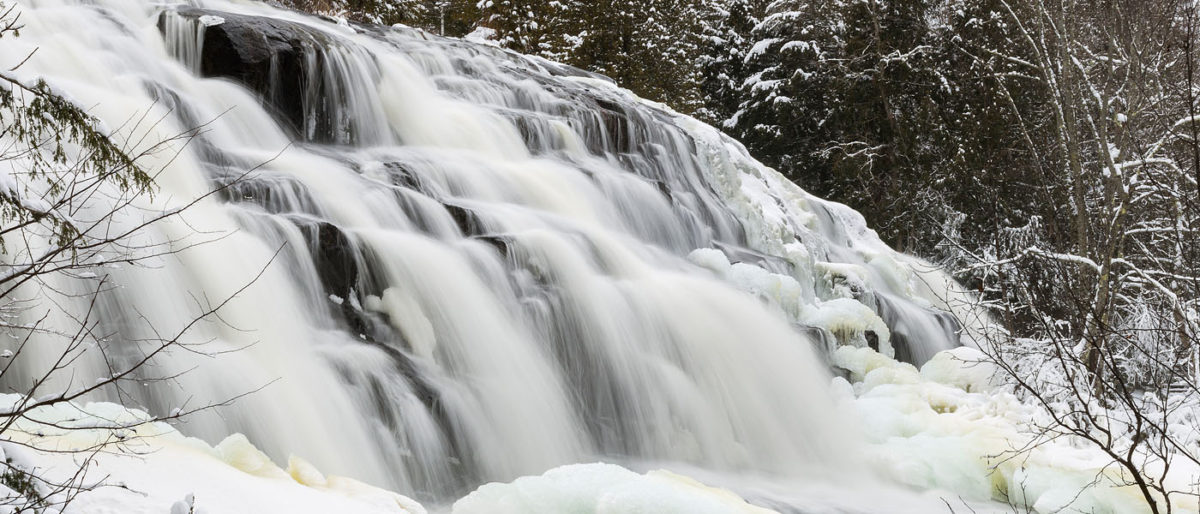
<point>723,56</point>
<point>652,47</point>
<point>531,27</point>
<point>1094,288</point>
<point>837,95</point>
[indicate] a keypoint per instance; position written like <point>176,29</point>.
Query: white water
<point>520,294</point>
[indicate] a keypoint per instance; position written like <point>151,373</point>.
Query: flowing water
<point>471,265</point>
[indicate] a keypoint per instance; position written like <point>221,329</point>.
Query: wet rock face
<point>263,54</point>
<point>334,256</point>
<point>298,72</point>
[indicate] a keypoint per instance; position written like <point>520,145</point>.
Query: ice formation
<point>603,489</point>
<point>150,468</point>
<point>949,426</point>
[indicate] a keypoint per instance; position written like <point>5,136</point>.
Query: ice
<point>950,427</point>
<point>783,291</point>
<point>965,368</point>
<point>405,313</point>
<point>305,473</point>
<point>603,489</point>
<point>237,451</point>
<point>483,35</point>
<point>850,321</point>
<point>185,506</point>
<point>209,20</point>
<point>711,259</point>
<point>843,279</point>
<point>159,470</point>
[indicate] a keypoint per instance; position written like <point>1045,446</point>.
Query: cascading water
<point>489,265</point>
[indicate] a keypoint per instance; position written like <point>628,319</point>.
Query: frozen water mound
<point>603,489</point>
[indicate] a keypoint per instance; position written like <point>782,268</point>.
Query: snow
<point>947,426</point>
<point>965,368</point>
<point>482,35</point>
<point>761,47</point>
<point>843,279</point>
<point>209,20</point>
<point>8,184</point>
<point>159,470</point>
<point>800,46</point>
<point>603,489</point>
<point>850,321</point>
<point>35,205</point>
<point>938,428</point>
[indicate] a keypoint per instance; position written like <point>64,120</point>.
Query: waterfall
<point>463,264</point>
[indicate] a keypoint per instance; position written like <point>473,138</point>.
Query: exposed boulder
<point>287,65</point>
<point>334,256</point>
<point>265,55</point>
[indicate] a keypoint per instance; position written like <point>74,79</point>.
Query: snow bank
<point>603,489</point>
<point>965,368</point>
<point>154,469</point>
<point>947,426</point>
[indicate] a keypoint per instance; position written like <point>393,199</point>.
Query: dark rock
<point>263,54</point>
<point>468,222</point>
<point>872,340</point>
<point>398,173</point>
<point>617,130</point>
<point>502,244</point>
<point>335,260</point>
<point>283,62</point>
<point>333,255</point>
<point>275,193</point>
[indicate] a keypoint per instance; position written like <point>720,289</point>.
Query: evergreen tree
<point>866,102</point>
<point>452,18</point>
<point>530,26</point>
<point>651,47</point>
<point>789,107</point>
<point>722,58</point>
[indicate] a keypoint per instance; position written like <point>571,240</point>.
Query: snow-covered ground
<point>950,426</point>
<point>151,468</point>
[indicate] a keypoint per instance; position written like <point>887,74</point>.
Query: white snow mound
<point>157,470</point>
<point>603,489</point>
